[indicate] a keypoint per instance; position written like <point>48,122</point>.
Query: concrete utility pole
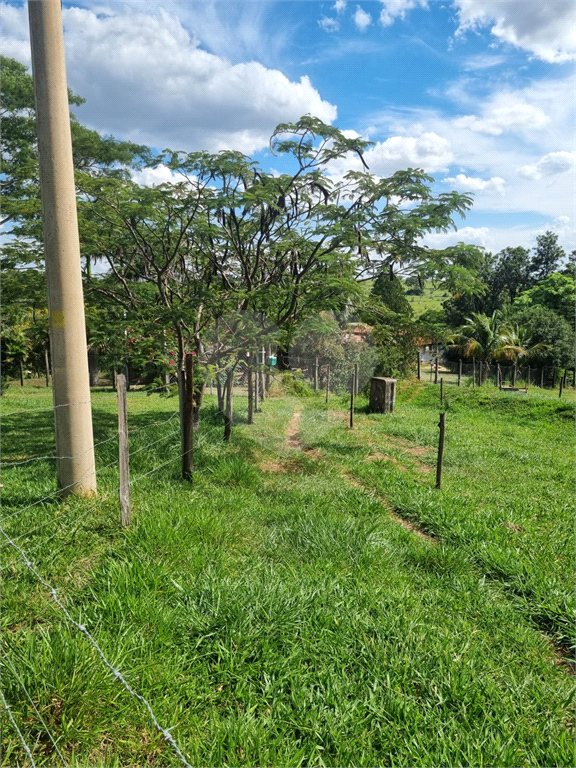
<point>71,386</point>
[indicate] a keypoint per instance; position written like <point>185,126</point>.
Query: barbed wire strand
<point>84,512</point>
<point>8,663</point>
<point>10,464</point>
<point>100,498</point>
<point>60,490</point>
<point>165,732</point>
<point>80,402</point>
<point>9,713</point>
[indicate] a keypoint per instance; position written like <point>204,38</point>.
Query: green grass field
<point>432,298</point>
<point>311,599</point>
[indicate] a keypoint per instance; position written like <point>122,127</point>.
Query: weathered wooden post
<point>327,382</point>
<point>262,378</point>
<point>268,369</point>
<point>419,366</point>
<point>188,382</point>
<point>460,372</point>
<point>436,370</point>
<point>441,390</point>
<point>564,377</point>
<point>256,383</point>
<point>229,404</point>
<point>382,394</point>
<point>528,379</point>
<point>352,393</point>
<point>561,387</point>
<point>250,391</point>
<point>499,376</point>
<point>123,453</point>
<point>514,374</point>
<point>473,372</point>
<point>316,374</point>
<point>542,377</point>
<point>21,372</point>
<point>442,425</point>
<point>47,365</point>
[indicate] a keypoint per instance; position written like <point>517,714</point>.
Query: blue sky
<point>478,93</point>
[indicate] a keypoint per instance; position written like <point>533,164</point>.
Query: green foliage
<point>547,256</point>
<point>556,292</point>
<point>390,291</point>
<point>550,330</point>
<point>293,384</point>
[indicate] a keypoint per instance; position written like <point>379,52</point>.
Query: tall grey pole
<point>71,385</point>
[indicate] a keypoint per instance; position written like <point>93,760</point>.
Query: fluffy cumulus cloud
<point>474,184</point>
<point>339,6</point>
<point>362,19</point>
<point>552,164</point>
<point>501,119</point>
<point>397,9</point>
<point>426,150</point>
<point>146,79</point>
<point>544,28</point>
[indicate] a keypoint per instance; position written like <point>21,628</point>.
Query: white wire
<point>9,713</point>
<point>82,628</point>
<point>17,676</point>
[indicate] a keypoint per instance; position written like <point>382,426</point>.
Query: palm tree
<point>485,338</point>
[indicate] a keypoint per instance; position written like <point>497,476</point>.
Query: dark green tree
<point>547,256</point>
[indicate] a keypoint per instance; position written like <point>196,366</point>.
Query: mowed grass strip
<point>507,498</point>
<point>273,617</point>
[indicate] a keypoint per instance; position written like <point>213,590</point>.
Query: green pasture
<point>310,599</point>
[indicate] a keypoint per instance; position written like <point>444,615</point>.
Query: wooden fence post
<point>47,365</point>
<point>436,370</point>
<point>327,383</point>
<point>514,374</point>
<point>542,378</point>
<point>250,392</point>
<point>473,372</point>
<point>188,381</point>
<point>352,393</point>
<point>419,366</point>
<point>564,377</point>
<point>123,453</point>
<point>441,390</point>
<point>256,384</point>
<point>460,372</point>
<point>442,425</point>
<point>528,379</point>
<point>263,378</point>
<point>561,387</point>
<point>316,374</point>
<point>229,404</point>
<point>499,376</point>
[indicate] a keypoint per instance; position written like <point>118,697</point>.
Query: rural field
<point>309,599</point>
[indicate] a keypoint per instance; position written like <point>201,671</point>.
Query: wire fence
<point>505,374</point>
<point>67,522</point>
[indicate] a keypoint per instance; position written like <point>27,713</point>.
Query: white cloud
<point>427,151</point>
<point>151,177</point>
<point>362,19</point>
<point>483,61</point>
<point>475,184</point>
<point>329,24</point>
<point>394,9</point>
<point>339,6</point>
<point>146,79</point>
<point>500,119</point>
<point>470,235</point>
<point>544,28</point>
<point>551,164</point>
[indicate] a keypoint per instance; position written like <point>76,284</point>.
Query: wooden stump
<point>382,394</point>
